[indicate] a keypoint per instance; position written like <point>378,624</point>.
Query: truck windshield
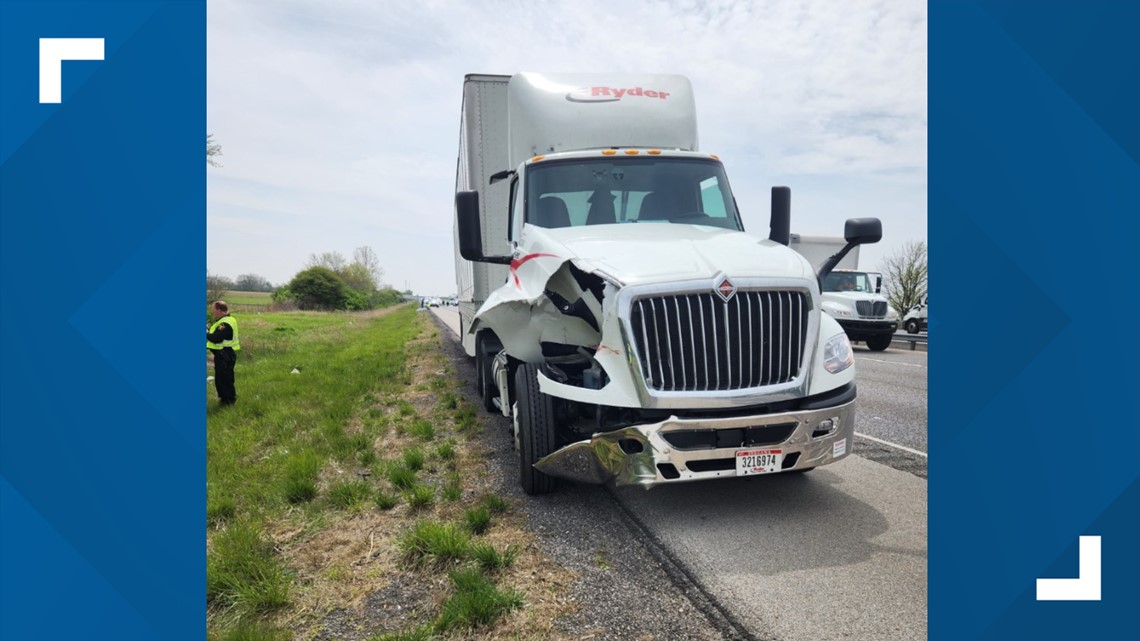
<point>607,191</point>
<point>847,282</point>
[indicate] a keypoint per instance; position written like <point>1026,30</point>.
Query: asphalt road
<point>839,553</point>
<point>892,396</point>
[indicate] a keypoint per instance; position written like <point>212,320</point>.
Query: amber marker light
<point>609,152</point>
<point>714,156</point>
<point>654,152</point>
<point>537,158</point>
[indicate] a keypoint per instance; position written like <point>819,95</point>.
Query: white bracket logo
<point>1086,587</point>
<point>53,51</point>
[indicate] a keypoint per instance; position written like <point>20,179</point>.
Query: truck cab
<point>852,298</point>
<point>915,319</point>
<point>636,334</point>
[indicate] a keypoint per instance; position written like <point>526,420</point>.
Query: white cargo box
<point>551,112</point>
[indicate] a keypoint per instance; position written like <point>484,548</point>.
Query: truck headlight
<point>837,354</point>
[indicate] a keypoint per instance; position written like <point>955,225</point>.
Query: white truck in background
<point>915,319</point>
<point>851,296</point>
<point>617,311</point>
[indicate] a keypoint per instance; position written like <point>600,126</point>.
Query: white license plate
<point>763,461</point>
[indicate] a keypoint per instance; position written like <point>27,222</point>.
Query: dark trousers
<point>224,360</point>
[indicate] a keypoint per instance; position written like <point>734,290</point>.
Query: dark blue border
<point>102,227</point>
<point>1034,232</point>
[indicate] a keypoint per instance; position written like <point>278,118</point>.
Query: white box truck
<point>617,311</point>
<point>851,296</point>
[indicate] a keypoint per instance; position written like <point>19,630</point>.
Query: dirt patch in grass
<point>351,581</point>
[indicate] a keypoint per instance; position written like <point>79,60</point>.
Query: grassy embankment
<point>349,496</point>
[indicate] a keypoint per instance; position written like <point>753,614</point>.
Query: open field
<point>345,501</point>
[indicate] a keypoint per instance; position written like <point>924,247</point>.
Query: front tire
<point>536,430</point>
<point>879,343</point>
<point>912,326</point>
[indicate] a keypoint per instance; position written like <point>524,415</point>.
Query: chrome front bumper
<point>649,455</point>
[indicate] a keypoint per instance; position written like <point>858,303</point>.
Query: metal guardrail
<point>913,339</point>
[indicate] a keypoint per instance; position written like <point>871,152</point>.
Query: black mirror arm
<point>830,263</point>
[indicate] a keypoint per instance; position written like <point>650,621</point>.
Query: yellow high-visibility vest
<point>233,342</point>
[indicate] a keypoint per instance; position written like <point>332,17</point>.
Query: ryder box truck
<point>616,310</point>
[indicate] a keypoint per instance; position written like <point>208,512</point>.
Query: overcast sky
<point>339,120</point>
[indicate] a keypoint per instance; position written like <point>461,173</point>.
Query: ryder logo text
<point>613,94</point>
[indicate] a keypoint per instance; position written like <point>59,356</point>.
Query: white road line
<point>879,360</point>
<point>890,444</point>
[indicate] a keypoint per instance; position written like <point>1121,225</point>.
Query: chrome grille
<point>698,342</point>
<point>871,309</point>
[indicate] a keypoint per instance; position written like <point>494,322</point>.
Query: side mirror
<point>857,231</point>
<point>470,231</point>
<point>878,284</point>
<point>862,231</point>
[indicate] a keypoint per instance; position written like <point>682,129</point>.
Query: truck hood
<point>643,253</point>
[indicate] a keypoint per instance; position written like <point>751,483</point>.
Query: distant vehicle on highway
<point>851,296</point>
<point>915,319</point>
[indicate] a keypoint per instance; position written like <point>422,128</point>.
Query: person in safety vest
<point>222,341</point>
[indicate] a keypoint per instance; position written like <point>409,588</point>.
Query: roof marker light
<point>654,152</point>
<point>537,158</point>
<point>714,156</point>
<point>631,152</point>
<point>609,152</point>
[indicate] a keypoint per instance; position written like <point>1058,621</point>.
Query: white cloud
<point>339,120</point>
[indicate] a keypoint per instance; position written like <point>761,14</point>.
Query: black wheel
<point>912,326</point>
<point>488,390</point>
<point>536,433</point>
<point>879,343</point>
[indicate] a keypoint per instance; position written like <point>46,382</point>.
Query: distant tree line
<point>328,282</point>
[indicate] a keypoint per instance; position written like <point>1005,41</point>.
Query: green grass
<point>434,543</point>
<point>265,454</point>
<point>449,401</point>
<point>445,451</point>
<point>475,602</point>
<point>465,416</point>
<point>494,504</point>
<point>420,496</point>
<point>414,459</point>
<point>265,451</point>
<point>490,559</point>
<point>242,571</point>
<point>422,429</point>
<point>386,501</point>
<point>422,633</point>
<point>400,476</point>
<point>248,298</point>
<point>219,511</point>
<point>348,495</point>
<point>477,520</point>
<point>299,484</point>
<point>245,630</point>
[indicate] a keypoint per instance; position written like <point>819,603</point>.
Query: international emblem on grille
<point>725,289</point>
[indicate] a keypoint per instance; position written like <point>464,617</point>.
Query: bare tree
<point>366,258</point>
<point>216,287</point>
<point>904,276</point>
<point>213,151</point>
<point>332,260</point>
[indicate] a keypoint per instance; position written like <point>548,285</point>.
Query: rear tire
<point>536,430</point>
<point>912,327</point>
<point>879,343</point>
